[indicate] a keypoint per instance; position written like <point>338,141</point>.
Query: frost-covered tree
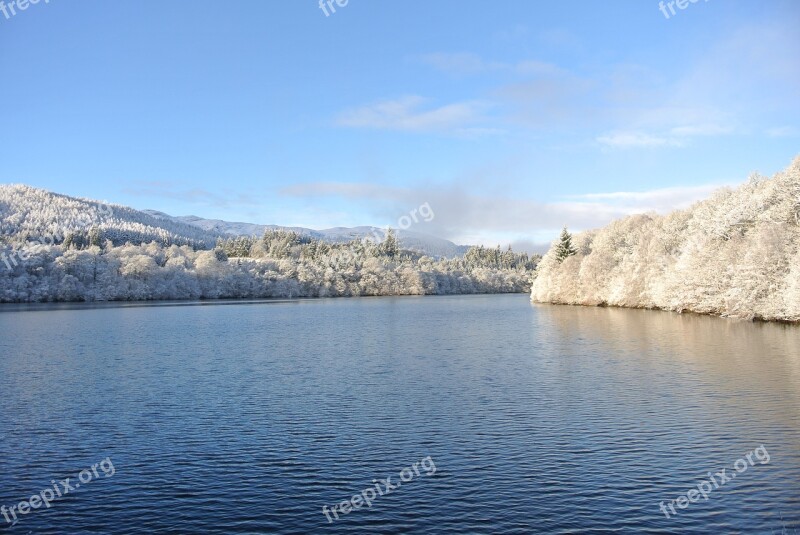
<point>297,269</point>
<point>57,248</point>
<point>735,254</point>
<point>389,246</point>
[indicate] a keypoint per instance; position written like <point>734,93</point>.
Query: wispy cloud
<point>627,140</point>
<point>701,130</point>
<point>348,190</point>
<point>631,106</point>
<point>629,100</point>
<point>783,131</point>
<point>710,97</point>
<point>412,113</point>
<point>191,195</point>
<point>620,106</point>
<point>466,63</point>
<point>465,216</point>
<point>460,64</point>
<point>657,200</point>
<point>678,136</point>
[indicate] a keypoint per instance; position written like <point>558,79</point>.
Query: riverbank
<point>735,255</point>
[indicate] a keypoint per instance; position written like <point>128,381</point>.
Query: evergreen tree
<point>389,245</point>
<point>220,255</point>
<point>565,249</point>
<point>95,237</point>
<point>508,260</point>
<point>311,250</point>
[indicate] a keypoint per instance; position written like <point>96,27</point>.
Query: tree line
<point>735,254</point>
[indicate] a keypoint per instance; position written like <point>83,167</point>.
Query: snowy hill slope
<point>32,214</point>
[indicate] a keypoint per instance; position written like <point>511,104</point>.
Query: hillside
<point>59,248</point>
<point>31,214</point>
<point>736,254</point>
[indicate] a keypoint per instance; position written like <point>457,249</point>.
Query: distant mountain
<point>417,241</point>
<point>218,227</point>
<point>32,214</point>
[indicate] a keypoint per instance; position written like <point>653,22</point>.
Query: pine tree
<point>565,249</point>
<point>312,250</point>
<point>95,237</point>
<point>389,245</point>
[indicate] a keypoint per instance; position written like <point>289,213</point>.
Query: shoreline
<point>35,306</point>
<point>755,319</point>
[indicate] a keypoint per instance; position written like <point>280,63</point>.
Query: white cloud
<point>539,68</point>
<point>657,200</point>
<point>625,106</point>
<point>627,140</point>
<point>409,114</point>
<point>352,190</point>
<point>782,131</point>
<point>461,64</point>
<point>224,198</point>
<point>678,136</point>
<point>701,130</point>
<point>465,63</point>
<point>464,216</point>
<point>711,96</point>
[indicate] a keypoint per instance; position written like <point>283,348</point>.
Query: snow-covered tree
<point>734,254</point>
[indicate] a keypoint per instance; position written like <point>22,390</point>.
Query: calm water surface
<point>539,419</point>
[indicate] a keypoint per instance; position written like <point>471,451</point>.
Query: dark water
<point>251,418</point>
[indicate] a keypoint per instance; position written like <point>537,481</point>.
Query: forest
<point>736,254</point>
<point>57,248</point>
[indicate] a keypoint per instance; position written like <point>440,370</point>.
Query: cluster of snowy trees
<point>58,248</point>
<point>279,244</point>
<point>280,264</point>
<point>30,215</point>
<point>736,254</point>
<point>495,258</point>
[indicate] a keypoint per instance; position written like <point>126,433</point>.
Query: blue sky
<point>510,118</point>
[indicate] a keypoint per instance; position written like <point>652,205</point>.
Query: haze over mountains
<point>30,214</point>
<point>417,241</point>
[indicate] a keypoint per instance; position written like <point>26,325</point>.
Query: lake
<point>508,417</point>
